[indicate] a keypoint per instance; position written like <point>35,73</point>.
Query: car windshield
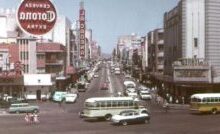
<point>81,86</point>
<point>70,95</point>
<point>130,86</point>
<point>125,113</point>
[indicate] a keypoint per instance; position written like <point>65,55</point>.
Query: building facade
<point>191,49</point>
<point>156,51</point>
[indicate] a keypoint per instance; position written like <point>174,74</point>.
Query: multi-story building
<point>191,49</point>
<point>51,58</point>
<point>156,51</point>
<point>129,43</point>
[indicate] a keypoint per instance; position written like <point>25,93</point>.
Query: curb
<point>179,106</point>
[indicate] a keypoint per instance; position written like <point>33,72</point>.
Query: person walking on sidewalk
<point>166,106</point>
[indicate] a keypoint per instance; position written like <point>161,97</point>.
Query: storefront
<point>11,86</point>
<point>37,86</point>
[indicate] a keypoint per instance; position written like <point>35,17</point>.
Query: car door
<point>130,117</point>
<point>138,117</point>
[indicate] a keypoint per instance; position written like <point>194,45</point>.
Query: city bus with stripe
<point>206,102</point>
<point>106,107</point>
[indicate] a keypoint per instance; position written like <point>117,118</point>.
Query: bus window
<point>98,104</point>
<point>108,103</point>
<point>196,100</point>
<point>205,100</point>
<point>131,103</point>
<point>89,104</point>
<point>212,99</point>
<point>126,104</point>
<point>102,104</point>
<point>216,99</point>
<point>114,104</point>
<point>120,103</point>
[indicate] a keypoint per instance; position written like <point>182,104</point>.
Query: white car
<point>131,92</point>
<point>70,98</point>
<point>145,95</point>
<point>131,116</point>
<point>96,76</point>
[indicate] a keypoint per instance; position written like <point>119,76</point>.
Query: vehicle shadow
<point>95,120</point>
<point>204,114</point>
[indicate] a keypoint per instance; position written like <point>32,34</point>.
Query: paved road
<point>65,119</point>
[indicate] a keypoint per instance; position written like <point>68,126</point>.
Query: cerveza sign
<point>36,17</point>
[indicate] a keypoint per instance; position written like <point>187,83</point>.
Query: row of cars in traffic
<point>131,89</point>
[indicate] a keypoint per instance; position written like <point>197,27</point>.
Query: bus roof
<point>205,95</point>
<point>107,98</point>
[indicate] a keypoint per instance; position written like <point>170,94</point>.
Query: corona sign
<point>36,17</point>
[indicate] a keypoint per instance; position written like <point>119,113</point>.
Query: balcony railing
<point>54,62</point>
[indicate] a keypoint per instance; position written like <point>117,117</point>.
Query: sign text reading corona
<point>36,17</point>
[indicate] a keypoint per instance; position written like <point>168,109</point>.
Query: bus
<point>106,107</point>
<point>206,102</point>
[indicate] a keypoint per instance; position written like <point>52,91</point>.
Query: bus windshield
<point>196,100</point>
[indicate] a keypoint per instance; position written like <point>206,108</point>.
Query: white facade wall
<point>195,28</point>
<point>145,54</point>
<point>88,35</point>
<point>32,61</point>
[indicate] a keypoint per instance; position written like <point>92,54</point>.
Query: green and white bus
<point>207,102</point>
<point>106,107</point>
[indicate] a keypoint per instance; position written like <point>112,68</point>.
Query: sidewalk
<point>2,111</point>
<point>179,106</point>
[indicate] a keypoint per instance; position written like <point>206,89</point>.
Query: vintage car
<point>131,116</point>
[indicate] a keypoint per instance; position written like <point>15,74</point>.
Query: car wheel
<point>147,121</point>
<point>108,117</point>
<point>124,123</point>
<point>214,111</point>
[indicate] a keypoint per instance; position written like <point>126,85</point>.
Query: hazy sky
<point>111,18</point>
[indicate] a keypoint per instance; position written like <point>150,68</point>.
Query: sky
<point>110,19</point>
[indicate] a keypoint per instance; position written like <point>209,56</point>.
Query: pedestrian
<point>166,106</point>
<point>31,118</point>
<point>36,118</point>
<point>27,118</point>
<point>171,99</point>
<point>183,100</point>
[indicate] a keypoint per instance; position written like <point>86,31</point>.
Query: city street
<point>65,119</point>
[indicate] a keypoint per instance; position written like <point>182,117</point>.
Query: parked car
<point>131,116</point>
<point>145,95</point>
<point>70,98</point>
<point>104,86</point>
<point>23,107</point>
<point>59,96</point>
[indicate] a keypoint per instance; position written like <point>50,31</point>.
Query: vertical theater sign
<point>36,17</point>
<point>82,30</point>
